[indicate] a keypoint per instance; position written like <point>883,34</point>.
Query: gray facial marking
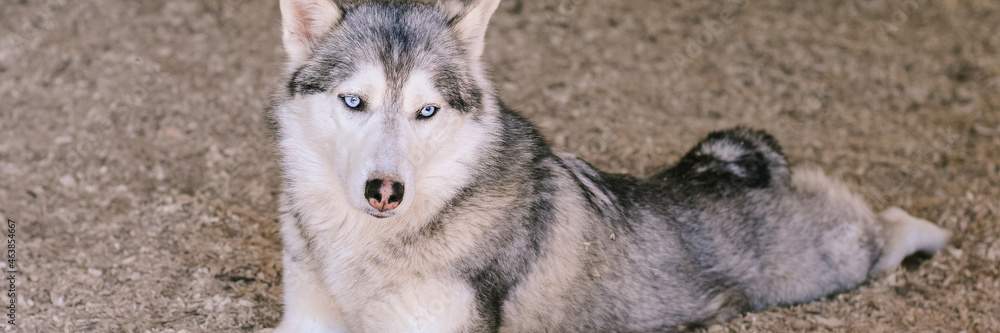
<point>402,39</point>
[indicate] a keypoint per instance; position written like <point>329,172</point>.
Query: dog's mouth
<point>380,214</point>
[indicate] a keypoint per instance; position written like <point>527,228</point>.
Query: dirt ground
<point>135,160</point>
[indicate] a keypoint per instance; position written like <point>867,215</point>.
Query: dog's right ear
<point>303,23</point>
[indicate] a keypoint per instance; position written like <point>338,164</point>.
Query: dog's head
<point>385,103</point>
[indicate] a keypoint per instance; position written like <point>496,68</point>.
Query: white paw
<point>920,234</point>
<point>906,235</point>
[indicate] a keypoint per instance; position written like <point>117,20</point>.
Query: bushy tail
<point>739,157</point>
<point>906,235</point>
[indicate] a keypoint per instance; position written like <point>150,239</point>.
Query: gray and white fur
<point>414,201</point>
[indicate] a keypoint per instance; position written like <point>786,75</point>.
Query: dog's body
<point>414,201</point>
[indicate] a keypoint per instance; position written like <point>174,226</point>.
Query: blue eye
<point>428,111</point>
<point>352,101</point>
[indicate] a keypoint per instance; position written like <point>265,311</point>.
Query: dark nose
<point>384,194</point>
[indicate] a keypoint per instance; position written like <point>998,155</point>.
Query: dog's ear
<point>303,23</point>
<point>469,19</point>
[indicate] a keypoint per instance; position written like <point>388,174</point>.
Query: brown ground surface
<point>135,160</point>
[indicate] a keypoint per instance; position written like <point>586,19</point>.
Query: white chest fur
<point>362,284</point>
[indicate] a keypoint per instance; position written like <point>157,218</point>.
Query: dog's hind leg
<point>906,235</point>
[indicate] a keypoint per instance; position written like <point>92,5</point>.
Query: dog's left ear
<point>470,18</point>
<point>303,23</point>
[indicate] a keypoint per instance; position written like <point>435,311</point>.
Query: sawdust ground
<point>135,159</point>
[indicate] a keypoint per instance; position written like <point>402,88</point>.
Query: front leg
<point>421,305</point>
<point>308,306</point>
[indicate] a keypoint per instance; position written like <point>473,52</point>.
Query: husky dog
<point>414,201</point>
